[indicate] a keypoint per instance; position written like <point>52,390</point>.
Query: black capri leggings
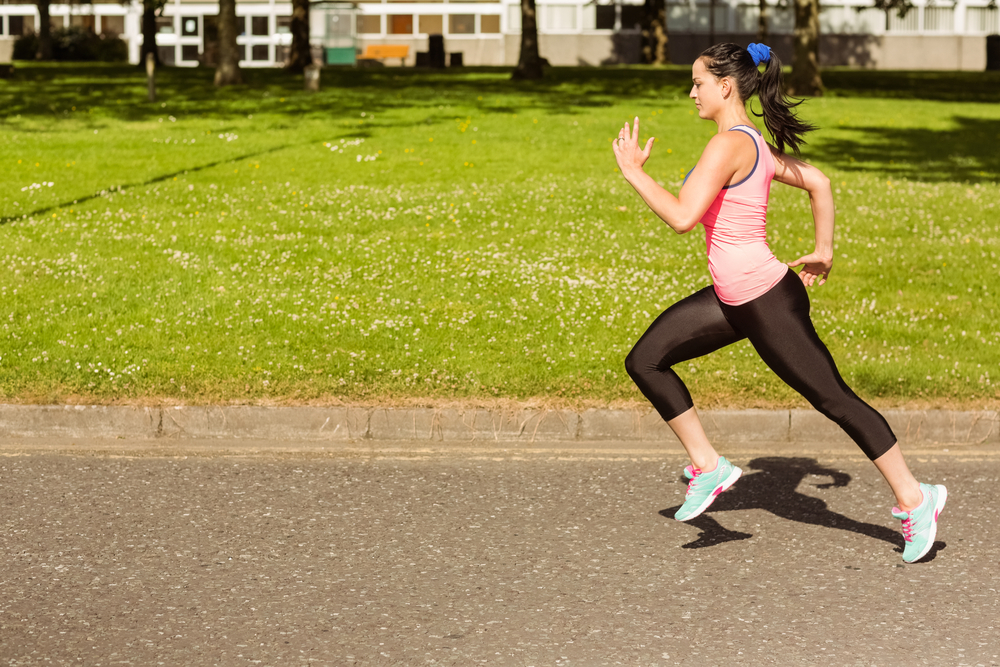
<point>778,326</point>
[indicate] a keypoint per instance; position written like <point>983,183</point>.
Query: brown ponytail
<point>734,61</point>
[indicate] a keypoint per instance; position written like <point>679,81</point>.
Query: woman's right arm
<point>715,168</point>
<point>799,174</point>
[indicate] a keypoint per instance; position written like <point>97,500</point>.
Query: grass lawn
<point>410,236</point>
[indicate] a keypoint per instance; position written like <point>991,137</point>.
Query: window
<point>189,27</point>
<point>369,24</point>
<point>939,19</point>
<point>632,17</point>
<point>430,24</point>
<point>982,19</point>
<point>559,17</point>
<point>831,20</point>
<point>780,20</point>
<point>747,15</point>
<point>19,25</point>
<point>866,21</point>
<point>85,21</point>
<point>721,18</point>
<point>259,53</point>
<point>259,26</point>
<point>283,25</point>
<point>605,19</point>
<point>189,52</point>
<point>908,23</point>
<point>241,25</point>
<point>462,24</point>
<point>401,24</point>
<point>697,18</point>
<point>164,26</point>
<point>514,17</point>
<point>168,55</point>
<point>489,24</point>
<point>338,25</point>
<point>837,20</point>
<point>112,25</point>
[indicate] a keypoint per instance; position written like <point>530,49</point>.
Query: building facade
<point>571,32</point>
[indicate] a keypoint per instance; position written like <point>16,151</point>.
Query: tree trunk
<point>228,73</point>
<point>44,32</point>
<point>149,33</point>
<point>805,79</point>
<point>762,32</point>
<point>300,55</point>
<point>529,63</point>
<point>655,41</point>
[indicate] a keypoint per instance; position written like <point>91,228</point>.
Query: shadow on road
<point>775,489</point>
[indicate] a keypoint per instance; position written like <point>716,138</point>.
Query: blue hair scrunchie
<point>761,53</point>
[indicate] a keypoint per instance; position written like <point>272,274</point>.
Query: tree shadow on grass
<point>775,489</point>
<point>119,91</point>
<point>51,90</point>
<point>967,152</point>
<point>945,86</point>
<point>156,179</point>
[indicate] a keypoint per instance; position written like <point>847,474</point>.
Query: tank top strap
<point>754,135</point>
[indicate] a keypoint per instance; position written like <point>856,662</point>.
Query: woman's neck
<point>730,118</point>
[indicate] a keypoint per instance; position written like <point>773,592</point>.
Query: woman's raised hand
<point>626,148</point>
<point>815,267</point>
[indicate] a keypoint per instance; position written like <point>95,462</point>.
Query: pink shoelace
<point>907,526</point>
<point>695,473</point>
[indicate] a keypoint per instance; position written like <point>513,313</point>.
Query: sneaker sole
<point>726,483</point>
<point>942,499</point>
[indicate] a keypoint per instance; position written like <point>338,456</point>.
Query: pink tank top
<point>739,259</point>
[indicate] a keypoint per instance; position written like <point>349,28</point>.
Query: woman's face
<point>706,92</point>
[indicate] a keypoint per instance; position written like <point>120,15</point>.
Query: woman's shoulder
<point>728,145</point>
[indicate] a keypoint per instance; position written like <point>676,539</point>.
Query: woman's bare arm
<point>795,172</point>
<point>713,171</point>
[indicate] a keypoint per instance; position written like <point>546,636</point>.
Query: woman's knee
<point>641,360</point>
<point>632,363</point>
<point>842,407</point>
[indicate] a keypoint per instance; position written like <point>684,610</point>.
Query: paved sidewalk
<point>526,425</point>
<point>404,553</point>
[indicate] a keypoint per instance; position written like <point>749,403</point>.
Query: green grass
<point>212,246</point>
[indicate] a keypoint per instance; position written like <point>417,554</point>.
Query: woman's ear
<point>726,86</point>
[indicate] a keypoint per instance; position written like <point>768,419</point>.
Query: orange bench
<point>383,51</point>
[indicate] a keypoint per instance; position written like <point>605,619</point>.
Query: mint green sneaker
<point>705,486</point>
<point>920,525</point>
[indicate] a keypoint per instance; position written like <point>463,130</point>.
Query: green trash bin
<point>339,55</point>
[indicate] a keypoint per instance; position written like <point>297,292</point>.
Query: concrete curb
<point>340,424</point>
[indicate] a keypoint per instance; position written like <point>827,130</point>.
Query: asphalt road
<point>125,554</point>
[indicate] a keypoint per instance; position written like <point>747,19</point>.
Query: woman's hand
<point>629,156</point>
<point>815,266</point>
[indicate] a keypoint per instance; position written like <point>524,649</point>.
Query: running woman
<point>754,295</point>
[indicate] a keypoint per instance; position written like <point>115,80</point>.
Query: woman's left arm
<point>795,172</point>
